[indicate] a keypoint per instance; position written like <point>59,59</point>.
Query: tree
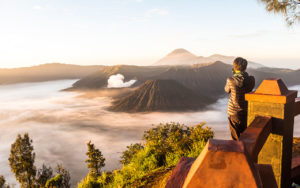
<point>55,182</point>
<point>170,141</point>
<point>65,175</point>
<point>21,161</point>
<point>130,152</point>
<point>289,8</point>
<point>2,181</point>
<point>90,181</point>
<point>95,160</point>
<point>43,175</point>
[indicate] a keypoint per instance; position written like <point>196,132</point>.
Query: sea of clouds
<point>61,123</point>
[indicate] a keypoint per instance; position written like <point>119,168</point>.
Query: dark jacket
<point>237,86</point>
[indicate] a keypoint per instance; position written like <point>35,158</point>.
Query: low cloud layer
<point>117,81</point>
<point>61,123</point>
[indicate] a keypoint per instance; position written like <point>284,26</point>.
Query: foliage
<point>289,8</point>
<point>163,146</point>
<point>65,175</point>
<point>90,181</point>
<point>95,159</point>
<point>199,136</point>
<point>21,161</point>
<point>105,179</point>
<point>154,179</point>
<point>61,180</point>
<point>43,175</point>
<point>130,152</point>
<point>56,182</point>
<point>173,140</point>
<point>2,181</point>
<point>94,162</point>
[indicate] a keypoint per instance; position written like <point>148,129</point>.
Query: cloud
<point>250,35</point>
<point>157,11</point>
<point>117,81</point>
<point>139,1</point>
<point>57,10</point>
<point>61,123</point>
<point>37,7</point>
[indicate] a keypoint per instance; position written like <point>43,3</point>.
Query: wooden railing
<point>297,106</point>
<point>255,136</point>
<point>263,155</point>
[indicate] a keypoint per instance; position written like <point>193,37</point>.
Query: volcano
<point>161,95</point>
<point>178,57</point>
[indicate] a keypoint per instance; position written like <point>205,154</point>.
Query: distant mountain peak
<point>178,56</point>
<point>180,51</point>
<point>220,56</point>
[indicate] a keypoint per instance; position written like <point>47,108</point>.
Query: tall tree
<point>21,161</point>
<point>95,159</point>
<point>289,8</point>
<point>65,175</point>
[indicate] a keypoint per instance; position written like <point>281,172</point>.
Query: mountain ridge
<point>161,95</point>
<point>207,79</point>
<point>181,56</point>
<point>45,72</point>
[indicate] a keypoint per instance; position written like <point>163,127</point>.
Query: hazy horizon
<point>277,63</point>
<point>140,32</point>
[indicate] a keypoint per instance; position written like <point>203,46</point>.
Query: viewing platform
<point>262,158</point>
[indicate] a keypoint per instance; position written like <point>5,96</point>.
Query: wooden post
<point>272,98</point>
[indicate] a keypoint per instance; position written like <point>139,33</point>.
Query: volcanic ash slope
<point>161,95</point>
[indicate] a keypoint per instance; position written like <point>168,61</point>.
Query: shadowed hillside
<point>130,72</point>
<point>46,72</point>
<point>195,77</point>
<point>206,79</point>
<point>161,95</point>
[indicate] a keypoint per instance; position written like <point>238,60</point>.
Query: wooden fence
<point>262,158</point>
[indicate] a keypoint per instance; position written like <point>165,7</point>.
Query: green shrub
<point>163,146</point>
<point>171,141</point>
<point>106,178</point>
<point>130,152</point>
<point>89,182</point>
<point>55,181</point>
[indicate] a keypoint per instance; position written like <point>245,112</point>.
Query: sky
<point>140,32</point>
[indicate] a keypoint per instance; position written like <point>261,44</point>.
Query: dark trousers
<point>237,124</point>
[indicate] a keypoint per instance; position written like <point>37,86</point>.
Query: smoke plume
<point>117,81</point>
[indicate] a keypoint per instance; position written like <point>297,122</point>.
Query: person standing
<point>237,86</point>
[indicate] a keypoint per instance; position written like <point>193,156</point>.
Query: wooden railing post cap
<point>272,90</point>
<point>223,163</point>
